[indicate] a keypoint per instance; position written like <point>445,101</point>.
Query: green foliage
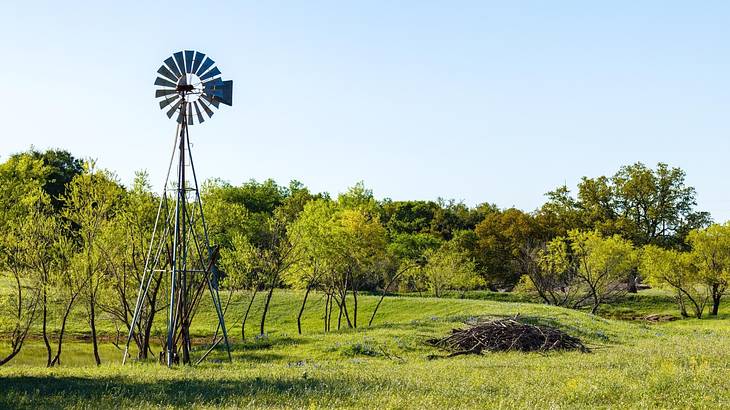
<point>646,206</point>
<point>601,263</point>
<point>449,268</point>
<point>500,238</point>
<point>675,270</point>
<point>711,253</point>
<point>60,169</point>
<point>70,233</point>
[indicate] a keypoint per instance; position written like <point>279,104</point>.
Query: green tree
<point>90,203</point>
<point>449,268</point>
<point>675,270</point>
<point>124,244</point>
<point>44,252</point>
<point>500,238</point>
<point>313,235</point>
<point>59,168</point>
<point>548,270</point>
<point>711,253</point>
<point>601,263</point>
<point>21,183</point>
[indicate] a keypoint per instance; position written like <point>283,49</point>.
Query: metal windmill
<point>190,85</point>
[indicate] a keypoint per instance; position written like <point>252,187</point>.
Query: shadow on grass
<point>116,392</point>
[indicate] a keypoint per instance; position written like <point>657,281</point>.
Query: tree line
<point>73,239</point>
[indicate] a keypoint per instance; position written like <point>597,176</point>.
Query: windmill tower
<point>180,252</point>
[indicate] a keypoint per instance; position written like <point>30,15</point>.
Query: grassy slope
<point>676,364</point>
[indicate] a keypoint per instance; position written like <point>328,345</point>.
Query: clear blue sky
<point>478,101</point>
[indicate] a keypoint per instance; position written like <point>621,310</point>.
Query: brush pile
<point>502,335</point>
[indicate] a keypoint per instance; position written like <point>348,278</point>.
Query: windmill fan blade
<point>197,113</point>
<point>180,61</point>
<point>189,86</point>
<point>167,101</point>
<point>212,73</point>
<point>211,100</point>
<point>174,107</point>
<point>219,90</point>
<point>165,72</point>
<point>206,109</point>
<point>227,97</point>
<point>162,82</point>
<point>189,61</point>
<point>196,62</point>
<point>212,83</point>
<point>170,63</point>
<point>213,87</point>
<point>162,93</point>
<point>206,65</point>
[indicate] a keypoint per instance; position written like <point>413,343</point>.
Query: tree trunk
<point>266,310</point>
<point>324,318</point>
<point>329,314</point>
<point>596,304</point>
<point>145,342</point>
<point>45,327</point>
<point>245,316</point>
<point>382,295</point>
<point>716,297</point>
<point>681,305</point>
<point>344,309</point>
<point>301,310</point>
<point>57,358</point>
<point>10,356</point>
<point>92,323</point>
<point>631,284</point>
<point>354,308</point>
<point>339,317</point>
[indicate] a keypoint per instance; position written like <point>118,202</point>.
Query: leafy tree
<point>124,245</point>
<point>239,263</point>
<point>411,247</point>
<point>26,292</point>
<point>44,252</point>
<point>408,217</point>
<point>363,247</point>
<point>548,271</point>
<point>711,253</point>
<point>450,268</point>
<point>675,270</point>
<point>91,201</point>
<point>269,255</point>
<point>600,263</point>
<point>224,215</point>
<point>21,182</point>
<point>560,214</point>
<point>313,235</point>
<point>500,238</point>
<point>59,167</point>
<point>656,207</point>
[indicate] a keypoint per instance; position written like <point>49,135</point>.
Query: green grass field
<point>633,364</point>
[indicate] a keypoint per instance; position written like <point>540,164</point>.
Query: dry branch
<point>506,335</point>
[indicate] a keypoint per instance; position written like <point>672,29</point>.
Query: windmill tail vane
<point>180,257</point>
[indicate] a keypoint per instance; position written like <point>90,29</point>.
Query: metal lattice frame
<point>180,248</point>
